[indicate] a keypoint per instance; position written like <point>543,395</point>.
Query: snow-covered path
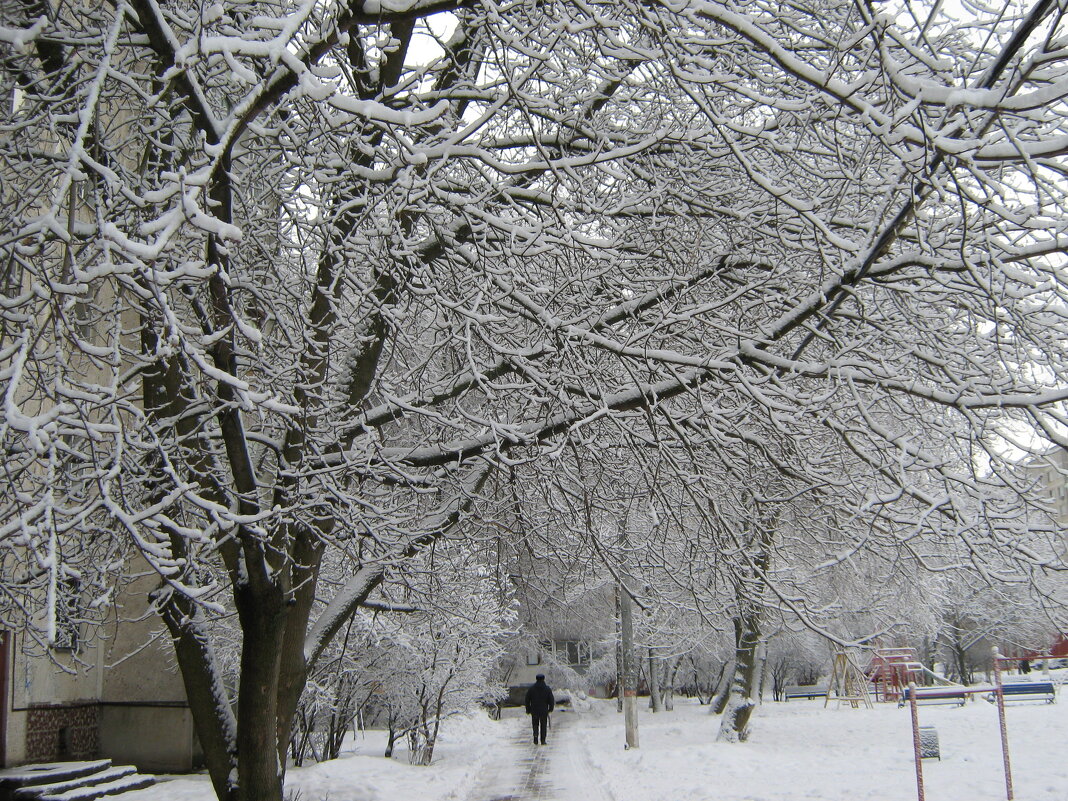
<point>573,770</point>
<point>523,771</point>
<point>559,771</point>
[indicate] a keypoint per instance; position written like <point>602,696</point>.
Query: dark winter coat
<point>540,699</point>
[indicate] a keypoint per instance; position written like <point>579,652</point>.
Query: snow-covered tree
<point>441,656</point>
<point>285,278</point>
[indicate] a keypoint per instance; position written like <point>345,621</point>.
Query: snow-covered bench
<point>935,695</point>
<point>804,692</point>
<point>1028,691</point>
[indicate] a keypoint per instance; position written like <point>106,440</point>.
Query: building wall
<point>145,720</point>
<point>117,696</point>
<point>51,712</point>
<point>58,733</point>
<point>68,704</point>
<point>139,656</point>
<point>1051,472</point>
<point>155,738</point>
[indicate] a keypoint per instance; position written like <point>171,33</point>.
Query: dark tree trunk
<point>209,705</point>
<point>749,587</point>
<point>723,687</point>
<point>656,702</point>
<point>960,655</point>
<point>671,674</point>
<point>734,727</point>
<point>293,669</point>
<point>762,671</point>
<point>391,742</point>
<point>263,624</point>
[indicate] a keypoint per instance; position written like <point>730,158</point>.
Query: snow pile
<point>580,702</point>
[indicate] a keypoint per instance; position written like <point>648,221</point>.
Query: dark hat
<point>540,677</point>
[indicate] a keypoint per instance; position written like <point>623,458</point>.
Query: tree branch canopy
<point>287,284</point>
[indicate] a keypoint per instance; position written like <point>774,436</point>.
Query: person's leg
<point>544,726</point>
<point>534,723</point>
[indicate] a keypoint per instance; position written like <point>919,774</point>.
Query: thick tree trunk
<point>960,655</point>
<point>209,704</point>
<point>734,726</point>
<point>263,623</point>
<point>672,674</point>
<point>762,672</point>
<point>391,740</point>
<point>293,668</point>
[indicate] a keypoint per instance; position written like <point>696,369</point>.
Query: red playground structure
<point>891,670</point>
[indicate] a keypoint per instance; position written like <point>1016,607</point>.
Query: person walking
<point>539,704</point>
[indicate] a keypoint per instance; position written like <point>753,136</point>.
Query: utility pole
<point>619,651</point>
<point>630,667</point>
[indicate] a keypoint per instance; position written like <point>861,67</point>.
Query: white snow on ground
<point>798,750</point>
<point>464,752</point>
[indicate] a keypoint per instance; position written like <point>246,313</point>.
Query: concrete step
<point>55,788</point>
<point>49,773</point>
<point>133,781</point>
<point>12,779</point>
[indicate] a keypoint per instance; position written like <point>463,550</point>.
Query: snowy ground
<point>798,750</point>
<point>465,753</point>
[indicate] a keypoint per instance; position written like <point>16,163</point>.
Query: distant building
<point>567,641</point>
<point>1048,485</point>
<point>1050,470</point>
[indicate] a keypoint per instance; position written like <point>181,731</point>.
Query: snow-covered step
<point>134,781</point>
<point>49,773</point>
<point>13,779</point>
<point>55,788</point>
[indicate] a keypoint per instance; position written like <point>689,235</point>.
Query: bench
<point>935,695</point>
<point>1027,691</point>
<point>805,692</point>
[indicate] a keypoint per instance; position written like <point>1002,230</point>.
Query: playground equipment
<point>999,697</point>
<point>891,670</point>
<point>848,682</point>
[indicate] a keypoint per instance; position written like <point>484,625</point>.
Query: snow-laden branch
<point>356,590</point>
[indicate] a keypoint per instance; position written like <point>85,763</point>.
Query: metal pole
<point>1000,694</point>
<point>916,741</point>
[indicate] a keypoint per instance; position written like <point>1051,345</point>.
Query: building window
<point>572,652</point>
<point>68,615</point>
<point>533,657</point>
